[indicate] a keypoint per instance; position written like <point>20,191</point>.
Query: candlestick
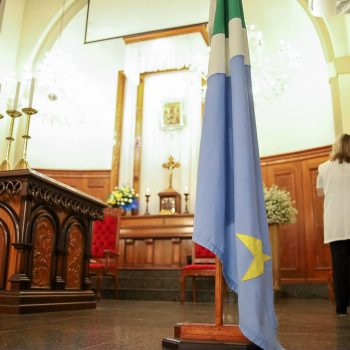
<point>186,203</point>
<point>31,93</point>
<point>5,165</point>
<point>1,116</point>
<point>15,102</point>
<point>23,163</point>
<point>147,200</point>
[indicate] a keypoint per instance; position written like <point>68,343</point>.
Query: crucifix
<point>171,165</point>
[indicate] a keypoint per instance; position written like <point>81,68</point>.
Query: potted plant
<point>280,210</point>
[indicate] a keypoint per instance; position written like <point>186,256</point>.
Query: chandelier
<point>271,72</point>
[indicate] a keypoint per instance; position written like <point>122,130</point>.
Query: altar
<point>45,243</point>
<point>155,241</point>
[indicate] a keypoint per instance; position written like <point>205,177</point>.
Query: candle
<point>148,191</point>
<point>31,93</point>
<point>186,189</point>
<point>15,102</point>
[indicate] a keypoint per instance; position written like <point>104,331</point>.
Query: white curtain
<point>178,51</point>
<point>158,145</point>
<point>184,86</point>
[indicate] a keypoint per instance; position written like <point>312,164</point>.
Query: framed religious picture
<point>172,116</point>
<point>169,202</point>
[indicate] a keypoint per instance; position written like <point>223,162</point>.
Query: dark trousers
<point>340,251</point>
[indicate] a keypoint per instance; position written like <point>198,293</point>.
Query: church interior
<point>101,96</point>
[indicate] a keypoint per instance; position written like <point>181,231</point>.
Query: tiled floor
<point>136,325</point>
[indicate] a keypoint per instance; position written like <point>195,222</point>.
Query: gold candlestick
<point>23,163</point>
<point>186,203</point>
<point>147,201</point>
<point>5,165</point>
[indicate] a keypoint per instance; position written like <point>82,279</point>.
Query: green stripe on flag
<point>225,11</point>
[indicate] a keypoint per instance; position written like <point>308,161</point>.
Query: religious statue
<point>170,200</point>
<point>171,165</point>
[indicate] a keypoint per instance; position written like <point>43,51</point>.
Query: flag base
<point>201,336</point>
<point>184,344</point>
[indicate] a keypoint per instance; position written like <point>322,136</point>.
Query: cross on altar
<point>171,165</point>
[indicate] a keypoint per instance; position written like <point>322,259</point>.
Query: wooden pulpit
<point>45,244</point>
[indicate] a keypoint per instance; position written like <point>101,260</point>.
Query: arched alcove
<point>83,122</point>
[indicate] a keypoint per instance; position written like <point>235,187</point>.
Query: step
<point>164,285</point>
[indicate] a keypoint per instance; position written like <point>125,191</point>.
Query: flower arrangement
<point>279,206</point>
<point>123,197</point>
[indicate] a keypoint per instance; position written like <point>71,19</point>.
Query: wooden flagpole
<point>217,331</point>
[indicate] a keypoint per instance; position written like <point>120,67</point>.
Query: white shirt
<point>334,179</point>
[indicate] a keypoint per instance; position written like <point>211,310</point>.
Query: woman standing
<point>333,182</point>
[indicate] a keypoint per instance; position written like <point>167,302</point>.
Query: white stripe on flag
<point>224,49</point>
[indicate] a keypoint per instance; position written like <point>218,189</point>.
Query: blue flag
<point>230,217</point>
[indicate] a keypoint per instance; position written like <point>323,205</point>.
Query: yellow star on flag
<point>254,245</point>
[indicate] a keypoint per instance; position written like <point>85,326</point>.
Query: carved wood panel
<point>39,213</point>
<point>4,247</point>
<point>75,251</point>
<point>43,244</point>
<point>9,223</point>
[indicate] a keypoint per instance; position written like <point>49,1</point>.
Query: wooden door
<point>318,260</point>
<point>288,175</point>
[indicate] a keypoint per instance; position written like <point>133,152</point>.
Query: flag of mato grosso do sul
<point>230,217</point>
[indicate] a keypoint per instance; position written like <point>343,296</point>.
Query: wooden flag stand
<point>200,336</point>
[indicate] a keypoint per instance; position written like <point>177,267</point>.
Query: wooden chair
<point>104,260</point>
<point>203,265</point>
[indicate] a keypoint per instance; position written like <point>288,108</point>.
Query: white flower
<point>279,206</point>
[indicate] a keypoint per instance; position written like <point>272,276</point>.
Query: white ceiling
<point>115,18</point>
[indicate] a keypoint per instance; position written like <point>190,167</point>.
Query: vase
<point>116,212</point>
<point>274,230</point>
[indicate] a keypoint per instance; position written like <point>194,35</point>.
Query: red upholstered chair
<point>203,264</point>
<point>104,260</point>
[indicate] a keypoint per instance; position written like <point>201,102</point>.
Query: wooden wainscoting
<point>93,182</point>
<point>304,257</point>
<point>155,241</point>
<point>148,244</point>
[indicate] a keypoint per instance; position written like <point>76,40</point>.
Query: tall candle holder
<point>186,203</point>
<point>5,165</point>
<point>23,163</point>
<point>147,201</point>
